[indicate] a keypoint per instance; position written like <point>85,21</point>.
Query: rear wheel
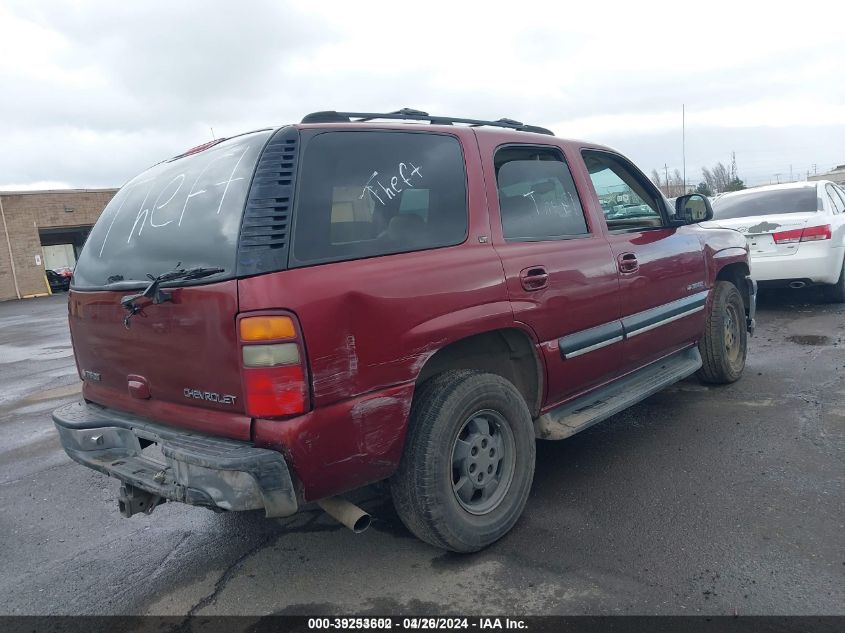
<point>835,293</point>
<point>724,344</point>
<point>468,463</point>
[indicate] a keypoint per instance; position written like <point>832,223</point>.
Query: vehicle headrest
<point>405,226</point>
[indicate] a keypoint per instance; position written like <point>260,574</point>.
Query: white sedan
<point>795,233</point>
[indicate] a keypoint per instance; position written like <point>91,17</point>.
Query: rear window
<point>184,212</point>
<point>363,194</point>
<point>803,200</point>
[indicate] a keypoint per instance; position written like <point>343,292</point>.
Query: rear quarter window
<point>364,194</point>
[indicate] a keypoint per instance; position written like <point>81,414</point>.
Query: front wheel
<point>725,342</point>
<point>468,463</point>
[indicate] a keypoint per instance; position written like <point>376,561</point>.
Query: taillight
<point>271,355</point>
<point>275,380</point>
<point>275,392</point>
<point>267,328</point>
<point>787,237</point>
<point>813,233</point>
<point>809,234</point>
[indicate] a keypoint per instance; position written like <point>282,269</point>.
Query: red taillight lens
<point>274,366</point>
<point>275,391</point>
<point>787,237</point>
<point>809,234</point>
<point>813,233</point>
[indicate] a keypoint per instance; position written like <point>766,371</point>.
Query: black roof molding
<point>409,114</point>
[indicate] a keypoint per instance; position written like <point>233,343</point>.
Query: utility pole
<point>684,142</point>
<point>666,182</point>
<point>778,178</point>
<point>790,174</point>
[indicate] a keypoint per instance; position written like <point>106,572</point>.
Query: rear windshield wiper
<point>156,294</point>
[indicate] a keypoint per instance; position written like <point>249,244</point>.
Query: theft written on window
<point>365,194</point>
<point>537,196</point>
<point>626,202</point>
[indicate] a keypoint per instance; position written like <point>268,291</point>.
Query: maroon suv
<point>286,315</point>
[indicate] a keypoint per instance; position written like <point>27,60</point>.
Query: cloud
<point>763,154</point>
<point>95,92</point>
<point>149,65</point>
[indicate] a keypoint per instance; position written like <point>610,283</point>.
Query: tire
<point>725,342</point>
<point>447,423</point>
<point>835,293</point>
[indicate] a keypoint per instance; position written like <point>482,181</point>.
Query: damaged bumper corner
<point>192,468</point>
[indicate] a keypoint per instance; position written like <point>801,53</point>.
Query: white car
<point>795,233</point>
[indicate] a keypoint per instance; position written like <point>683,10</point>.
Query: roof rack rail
<point>409,114</point>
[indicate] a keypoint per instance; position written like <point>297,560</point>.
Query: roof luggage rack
<point>409,114</point>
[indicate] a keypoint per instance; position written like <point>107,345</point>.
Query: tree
<point>719,178</point>
<point>735,185</point>
<point>655,178</point>
<point>678,185</point>
<point>704,189</point>
<point>722,176</point>
<point>709,180</point>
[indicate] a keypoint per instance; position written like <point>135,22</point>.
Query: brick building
<point>43,229</point>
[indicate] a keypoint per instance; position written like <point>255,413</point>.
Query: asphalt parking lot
<point>699,500</point>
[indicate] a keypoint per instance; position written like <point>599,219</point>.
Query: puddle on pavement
<point>809,339</point>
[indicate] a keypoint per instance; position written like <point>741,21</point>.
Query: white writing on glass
<point>406,174</point>
<point>180,178</point>
<point>146,214</point>
<point>125,193</point>
<point>553,207</point>
<point>230,180</point>
<point>141,212</point>
<point>194,192</point>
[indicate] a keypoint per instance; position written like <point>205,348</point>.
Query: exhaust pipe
<point>797,284</point>
<point>346,513</point>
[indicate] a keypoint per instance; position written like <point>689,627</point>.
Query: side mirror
<point>693,208</point>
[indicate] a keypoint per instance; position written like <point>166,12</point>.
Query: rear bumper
<point>816,262</point>
<point>197,469</point>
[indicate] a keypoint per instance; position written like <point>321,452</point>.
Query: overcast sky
<point>91,93</point>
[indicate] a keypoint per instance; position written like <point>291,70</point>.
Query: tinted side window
<point>537,197</point>
<point>627,202</point>
<point>364,194</point>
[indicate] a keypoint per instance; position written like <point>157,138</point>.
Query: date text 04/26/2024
<point>417,623</point>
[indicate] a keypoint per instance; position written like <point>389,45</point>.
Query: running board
<point>609,400</point>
